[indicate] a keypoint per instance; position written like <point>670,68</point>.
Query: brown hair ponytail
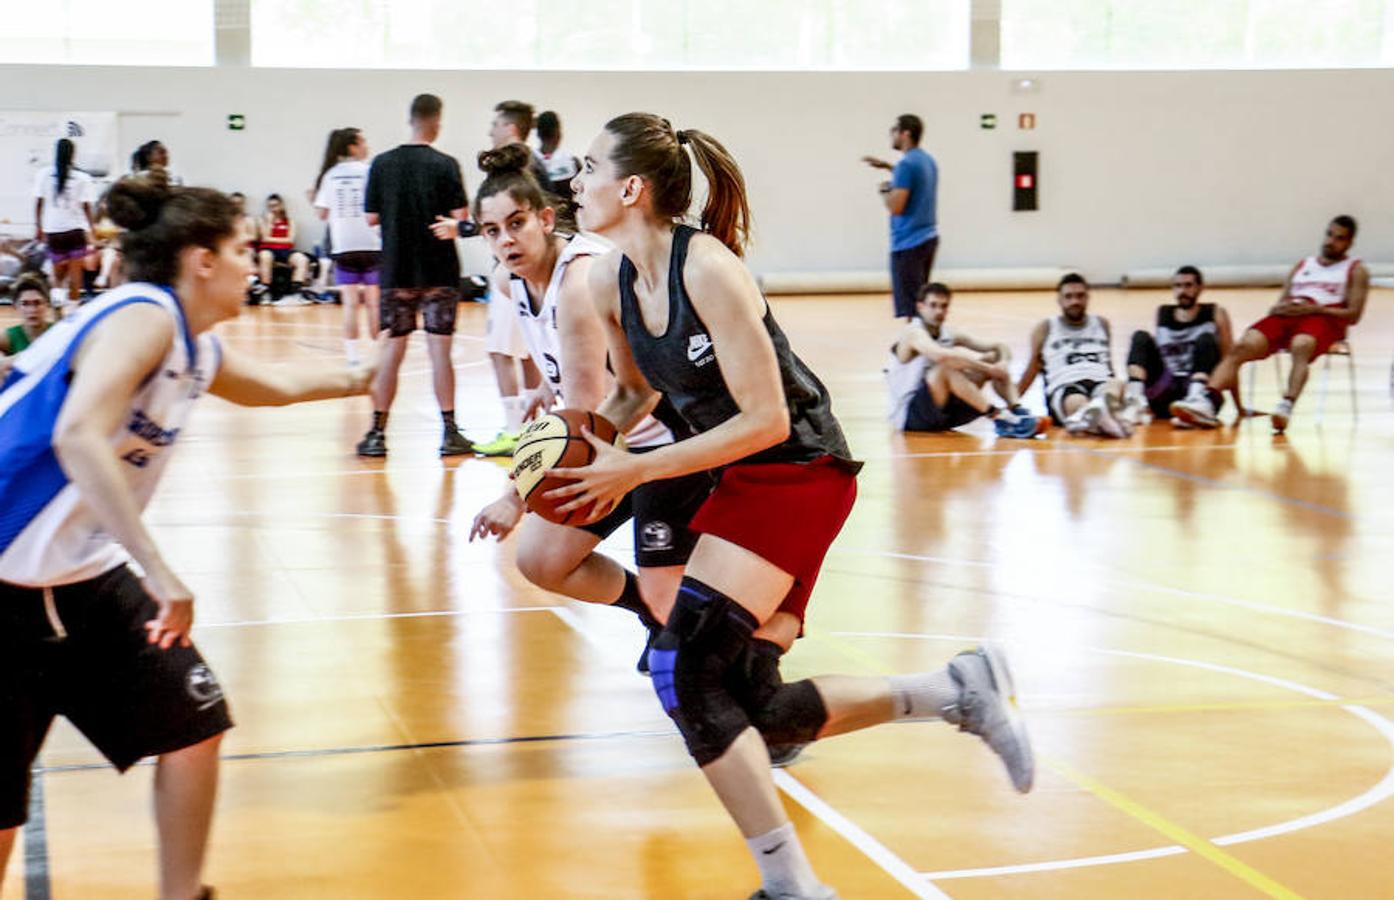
<point>646,145</point>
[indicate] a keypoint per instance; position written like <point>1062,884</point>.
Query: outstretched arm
<point>249,382</point>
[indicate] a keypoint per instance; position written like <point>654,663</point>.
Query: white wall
<point>1138,169</point>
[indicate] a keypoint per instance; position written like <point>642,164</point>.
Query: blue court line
<point>36,883</point>
<point>1226,485</point>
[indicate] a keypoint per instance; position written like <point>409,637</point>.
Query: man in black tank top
<point>1175,365</point>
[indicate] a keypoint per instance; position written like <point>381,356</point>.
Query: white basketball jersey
<point>544,339</point>
<point>1074,354</point>
<point>1325,285</point>
<point>904,377</point>
<point>48,535</point>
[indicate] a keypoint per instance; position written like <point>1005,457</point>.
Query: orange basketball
<point>555,441</point>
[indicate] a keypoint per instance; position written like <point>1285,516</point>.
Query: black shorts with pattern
<point>436,306</point>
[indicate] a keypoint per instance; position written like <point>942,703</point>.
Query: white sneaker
<point>1199,412</point>
<point>1135,411</point>
<point>1282,413</point>
<point>1101,420</point>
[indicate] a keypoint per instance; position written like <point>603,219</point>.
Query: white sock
<point>784,867</point>
<point>513,408</point>
<point>1136,389</point>
<point>351,351</point>
<point>924,695</point>
<point>1196,390</point>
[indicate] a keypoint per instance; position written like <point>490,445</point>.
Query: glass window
<point>105,33</point>
<point>653,35</point>
<point>1197,34</point>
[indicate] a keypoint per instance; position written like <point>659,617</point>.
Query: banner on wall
<point>27,139</point>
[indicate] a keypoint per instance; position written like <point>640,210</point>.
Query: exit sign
<point>236,122</point>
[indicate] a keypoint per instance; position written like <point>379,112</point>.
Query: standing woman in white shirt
<point>357,246</point>
<point>63,217</point>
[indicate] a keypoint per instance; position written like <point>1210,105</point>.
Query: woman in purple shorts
<point>63,216</point>
<point>357,245</point>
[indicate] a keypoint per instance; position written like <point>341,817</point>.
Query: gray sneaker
<point>987,707</point>
<point>824,893</point>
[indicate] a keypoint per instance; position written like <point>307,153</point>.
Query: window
<point>613,34</point>
<point>1197,34</point>
<point>107,33</point>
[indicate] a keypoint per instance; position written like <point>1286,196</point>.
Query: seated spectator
<point>561,165</point>
<point>1074,350</point>
<point>277,245</point>
<point>31,293</point>
<point>1322,297</point>
<point>936,376</point>
<point>1176,364</point>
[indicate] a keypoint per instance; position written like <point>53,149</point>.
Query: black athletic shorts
<point>436,306</point>
<point>924,415</point>
<point>128,697</point>
<point>1055,401</point>
<point>661,511</point>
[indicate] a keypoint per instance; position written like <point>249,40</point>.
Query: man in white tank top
<point>936,377</point>
<point>1322,297</point>
<point>1074,350</point>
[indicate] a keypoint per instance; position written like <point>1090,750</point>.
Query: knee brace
<point>783,713</point>
<point>690,663</point>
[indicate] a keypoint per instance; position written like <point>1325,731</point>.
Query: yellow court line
<point>1196,844</point>
<point>1154,820</point>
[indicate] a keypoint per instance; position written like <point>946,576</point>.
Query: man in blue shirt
<point>911,195</point>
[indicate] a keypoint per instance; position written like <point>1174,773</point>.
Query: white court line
<point>873,849</point>
<point>1378,793</point>
<point>373,617</point>
<point>1050,449</point>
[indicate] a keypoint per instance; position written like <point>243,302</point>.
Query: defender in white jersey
<point>544,274</point>
<point>936,376</point>
<point>1322,297</point>
<point>1074,351</point>
<point>89,414</point>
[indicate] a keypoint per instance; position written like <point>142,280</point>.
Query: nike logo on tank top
<point>681,364</point>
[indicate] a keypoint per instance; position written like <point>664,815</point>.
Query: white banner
<point>27,144</point>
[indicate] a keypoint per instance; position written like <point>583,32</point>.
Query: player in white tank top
<point>1322,297</point>
<point>1074,352</point>
<point>935,377</point>
<point>89,414</point>
<point>545,275</point>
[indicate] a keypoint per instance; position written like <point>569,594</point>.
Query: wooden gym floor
<point>1199,622</point>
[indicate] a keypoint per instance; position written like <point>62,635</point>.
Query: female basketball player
<point>87,419</point>
<point>63,213</point>
<point>544,275</point>
<point>685,319</point>
<point>357,246</point>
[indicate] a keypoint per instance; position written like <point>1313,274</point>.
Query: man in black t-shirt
<point>408,187</point>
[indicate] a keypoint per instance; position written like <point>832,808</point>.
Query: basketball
<point>555,441</point>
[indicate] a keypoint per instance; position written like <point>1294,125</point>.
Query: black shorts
<point>661,511</point>
<point>129,698</point>
<point>910,270</point>
<point>923,415</point>
<point>280,254</point>
<point>435,304</point>
<point>1055,401</point>
<point>358,261</point>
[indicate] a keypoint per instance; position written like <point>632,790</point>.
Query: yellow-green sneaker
<point>502,445</point>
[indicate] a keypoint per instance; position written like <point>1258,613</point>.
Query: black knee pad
<point>783,713</point>
<point>690,663</point>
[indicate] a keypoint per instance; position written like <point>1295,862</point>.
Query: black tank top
<point>681,365</point>
<point>1177,340</point>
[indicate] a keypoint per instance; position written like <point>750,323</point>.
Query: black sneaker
<point>374,444</point>
<point>453,443</point>
<point>206,893</point>
<point>782,755</point>
<point>642,666</point>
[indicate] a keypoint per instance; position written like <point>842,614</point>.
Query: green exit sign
<point>236,122</point>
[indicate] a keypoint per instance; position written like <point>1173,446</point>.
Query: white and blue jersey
<point>48,535</point>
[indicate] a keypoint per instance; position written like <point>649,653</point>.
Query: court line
<point>1046,448</point>
<point>1378,793</point>
<point>36,874</point>
<point>372,617</point>
<point>383,748</point>
<point>871,848</point>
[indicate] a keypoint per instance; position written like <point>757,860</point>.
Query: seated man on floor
<point>936,376</point>
<point>1175,365</point>
<point>1322,297</point>
<point>1075,352</point>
